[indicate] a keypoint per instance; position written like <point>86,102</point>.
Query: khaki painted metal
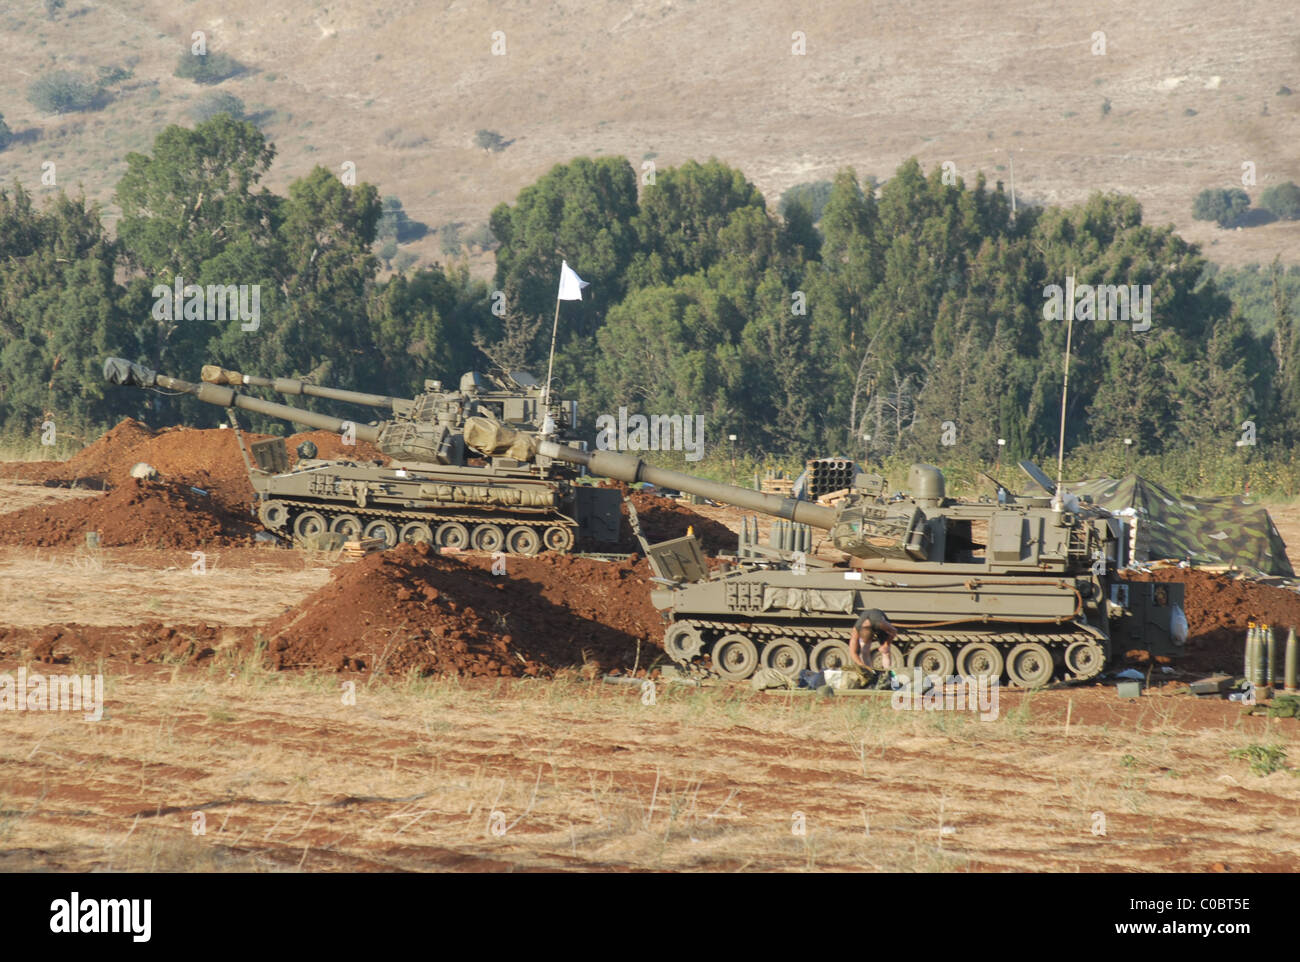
<point>429,490</point>
<point>1024,587</point>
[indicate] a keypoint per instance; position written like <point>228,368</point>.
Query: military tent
<point>1204,531</point>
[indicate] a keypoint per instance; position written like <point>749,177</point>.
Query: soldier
<point>872,625</point>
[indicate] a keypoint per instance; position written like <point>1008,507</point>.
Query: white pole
<point>1065,385</point>
<point>550,365</point>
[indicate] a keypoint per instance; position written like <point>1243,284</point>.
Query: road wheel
<point>385,531</point>
<point>451,534</point>
<point>785,655</point>
<point>1030,665</point>
<point>558,538</point>
<point>273,514</point>
<point>735,657</point>
<point>934,660</point>
<point>487,537</point>
<point>831,653</point>
<point>980,659</point>
<point>348,525</point>
<point>896,657</point>
<point>524,541</point>
<point>309,524</point>
<point>415,532</point>
<point>683,643</point>
<point>1085,659</point>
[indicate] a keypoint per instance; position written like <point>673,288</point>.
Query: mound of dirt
<point>160,514</point>
<point>413,609</point>
<point>206,458</point>
<point>1218,609</point>
<point>662,519</point>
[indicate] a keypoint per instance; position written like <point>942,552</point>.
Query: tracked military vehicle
<point>439,485</point>
<point>1018,586</point>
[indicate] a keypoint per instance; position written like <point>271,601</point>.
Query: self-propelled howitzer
<point>432,489</point>
<point>1021,587</point>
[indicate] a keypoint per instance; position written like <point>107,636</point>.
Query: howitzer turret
<point>428,491</point>
<point>1021,586</point>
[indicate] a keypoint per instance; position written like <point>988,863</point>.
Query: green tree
<point>1282,200</point>
<point>580,212</point>
<point>1224,207</point>
<point>681,217</point>
<point>60,314</point>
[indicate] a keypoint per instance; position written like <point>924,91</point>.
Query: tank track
<point>549,533</point>
<point>1025,659</point>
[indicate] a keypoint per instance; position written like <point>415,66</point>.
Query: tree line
<point>916,312</point>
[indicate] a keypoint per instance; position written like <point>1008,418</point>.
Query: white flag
<point>571,284</point>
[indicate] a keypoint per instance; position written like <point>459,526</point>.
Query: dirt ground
<point>232,768</point>
<point>269,709</point>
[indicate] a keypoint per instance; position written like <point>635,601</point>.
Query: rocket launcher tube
<point>623,467</point>
<point>118,371</point>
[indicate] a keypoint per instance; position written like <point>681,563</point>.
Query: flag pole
<point>550,365</point>
<point>1065,384</point>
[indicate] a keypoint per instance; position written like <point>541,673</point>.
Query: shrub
<point>489,140</point>
<point>217,103</point>
<point>1224,207</point>
<point>480,236</point>
<point>6,135</point>
<point>209,68</point>
<point>449,237</point>
<point>1282,200</point>
<point>61,91</point>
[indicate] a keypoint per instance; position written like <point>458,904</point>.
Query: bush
<point>391,218</point>
<point>6,135</point>
<point>387,252</point>
<point>210,68</point>
<point>1282,200</point>
<point>61,91</point>
<point>404,260</point>
<point>449,237</point>
<point>1224,207</point>
<point>480,236</point>
<point>217,103</point>
<point>489,140</point>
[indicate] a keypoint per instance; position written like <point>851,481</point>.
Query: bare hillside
<point>1184,93</point>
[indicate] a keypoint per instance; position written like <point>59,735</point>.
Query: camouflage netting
<point>1205,531</point>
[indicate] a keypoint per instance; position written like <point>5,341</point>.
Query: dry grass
<point>436,774</point>
<point>974,84</point>
<point>41,586</point>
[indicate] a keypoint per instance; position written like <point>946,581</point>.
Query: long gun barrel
<point>212,374</point>
<point>623,467</point>
<point>119,371</point>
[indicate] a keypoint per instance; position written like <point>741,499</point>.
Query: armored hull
<point>1025,589</point>
<point>441,485</point>
<point>483,509</point>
